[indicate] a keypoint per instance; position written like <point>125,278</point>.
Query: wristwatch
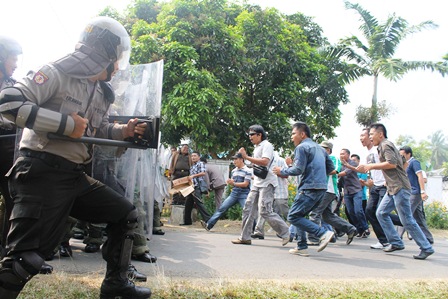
<point>422,192</point>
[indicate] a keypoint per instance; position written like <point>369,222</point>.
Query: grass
<point>60,285</point>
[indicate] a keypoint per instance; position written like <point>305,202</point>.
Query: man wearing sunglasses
<point>261,195</point>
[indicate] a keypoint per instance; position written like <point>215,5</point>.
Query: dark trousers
<point>46,192</point>
<point>7,146</point>
<point>195,199</point>
<point>376,194</point>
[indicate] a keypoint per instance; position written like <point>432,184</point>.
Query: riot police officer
<point>48,182</point>
<point>10,49</point>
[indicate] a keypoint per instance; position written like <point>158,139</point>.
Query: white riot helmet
<point>8,47</point>
<point>103,42</point>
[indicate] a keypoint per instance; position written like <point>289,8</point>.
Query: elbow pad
<point>15,107</point>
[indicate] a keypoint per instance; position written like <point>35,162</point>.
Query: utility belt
<point>181,172</point>
<point>52,160</point>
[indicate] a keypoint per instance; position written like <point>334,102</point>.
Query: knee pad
<point>17,270</point>
<point>131,221</point>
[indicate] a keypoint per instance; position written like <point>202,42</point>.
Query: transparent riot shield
<point>133,172</point>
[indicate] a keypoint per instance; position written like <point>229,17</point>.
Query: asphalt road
<point>193,253</point>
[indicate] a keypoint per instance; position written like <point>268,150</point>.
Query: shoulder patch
<point>40,78</point>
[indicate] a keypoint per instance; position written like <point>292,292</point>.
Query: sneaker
<point>301,252</point>
<point>285,241</point>
<point>379,245</point>
<point>324,240</point>
<point>244,242</point>
<point>204,225</point>
<point>350,235</point>
<point>257,236</point>
<point>365,234</point>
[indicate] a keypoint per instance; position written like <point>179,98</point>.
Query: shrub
<point>436,215</point>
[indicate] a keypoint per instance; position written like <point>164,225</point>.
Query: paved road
<point>194,253</point>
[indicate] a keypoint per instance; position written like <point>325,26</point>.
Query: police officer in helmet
<point>68,97</point>
<point>10,49</point>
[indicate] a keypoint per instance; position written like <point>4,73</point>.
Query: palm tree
<point>439,149</point>
<point>376,57</point>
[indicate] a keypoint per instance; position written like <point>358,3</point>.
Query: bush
<point>436,215</point>
<point>234,213</point>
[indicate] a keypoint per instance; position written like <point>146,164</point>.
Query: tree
<point>439,149</point>
<point>228,66</point>
<point>376,56</point>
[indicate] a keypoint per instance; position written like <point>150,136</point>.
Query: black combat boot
<point>114,285</point>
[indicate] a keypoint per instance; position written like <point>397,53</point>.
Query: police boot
<point>134,275</point>
<point>117,285</point>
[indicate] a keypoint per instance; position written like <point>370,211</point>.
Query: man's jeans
<point>400,201</point>
<point>236,196</point>
<point>304,203</point>
<point>353,202</point>
<point>418,213</point>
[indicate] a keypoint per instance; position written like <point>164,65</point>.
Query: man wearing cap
<point>261,195</point>
<point>323,210</point>
<point>240,183</point>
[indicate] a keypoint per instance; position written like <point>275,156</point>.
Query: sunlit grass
<point>61,285</point>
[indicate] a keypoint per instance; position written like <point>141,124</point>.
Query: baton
<point>99,141</point>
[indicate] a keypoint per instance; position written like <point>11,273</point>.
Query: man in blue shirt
<point>313,164</point>
<point>418,193</point>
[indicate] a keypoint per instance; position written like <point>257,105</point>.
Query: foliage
<point>234,213</point>
<point>436,215</point>
<point>445,169</point>
<point>431,153</point>
<point>376,56</point>
<point>439,149</point>
<point>229,65</point>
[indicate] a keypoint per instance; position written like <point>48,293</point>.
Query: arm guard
<point>16,108</point>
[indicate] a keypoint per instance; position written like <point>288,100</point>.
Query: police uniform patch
<point>40,78</point>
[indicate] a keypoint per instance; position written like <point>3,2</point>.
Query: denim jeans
<point>304,203</point>
<point>418,213</point>
<point>353,202</point>
<point>236,196</point>
<point>400,201</point>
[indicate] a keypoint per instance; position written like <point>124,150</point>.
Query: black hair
<point>356,156</point>
<point>196,152</point>
<point>258,129</point>
<point>406,149</point>
<point>203,159</point>
<point>346,150</point>
<point>379,127</point>
<point>301,126</point>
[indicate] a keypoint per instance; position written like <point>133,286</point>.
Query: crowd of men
<point>48,182</point>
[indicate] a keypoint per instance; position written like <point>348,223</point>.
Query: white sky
<point>48,29</point>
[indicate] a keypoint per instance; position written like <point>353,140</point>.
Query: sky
<point>49,29</point>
